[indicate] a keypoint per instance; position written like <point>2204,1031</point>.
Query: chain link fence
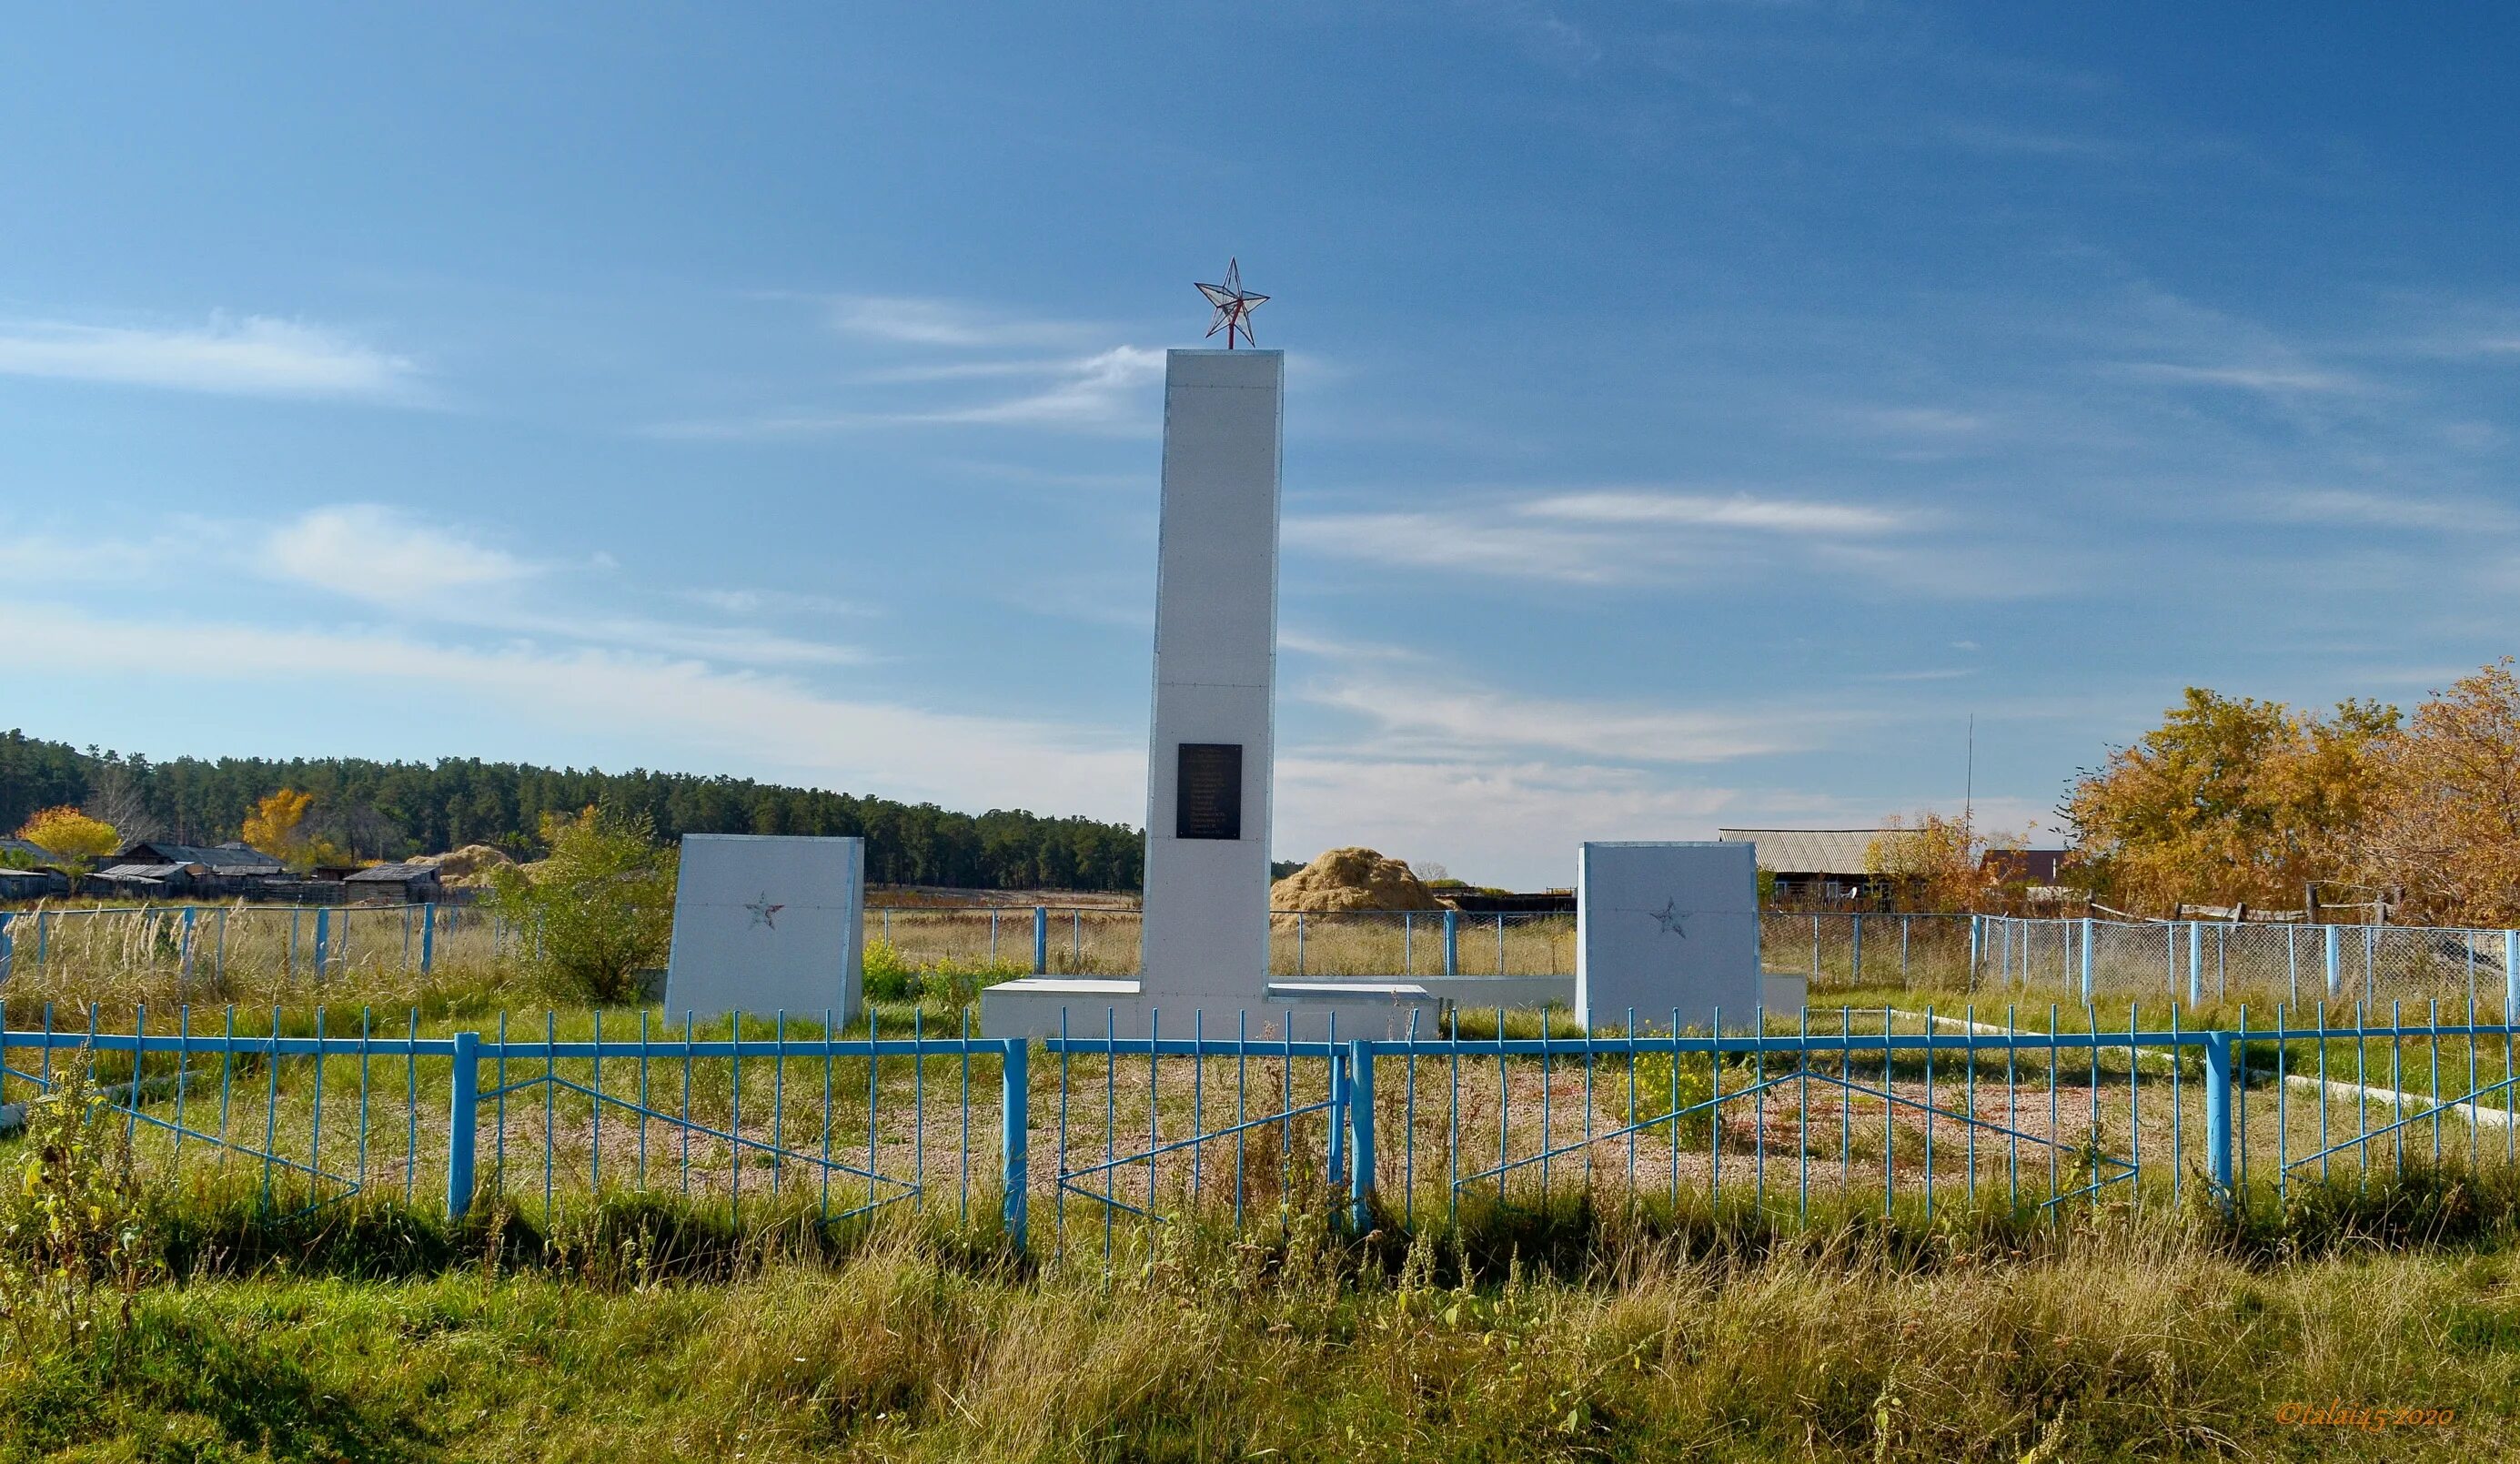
<point>2198,961</point>
<point>1840,953</point>
<point>262,943</point>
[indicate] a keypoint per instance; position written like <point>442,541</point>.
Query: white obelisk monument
<point>1204,965</point>
<point>1216,657</point>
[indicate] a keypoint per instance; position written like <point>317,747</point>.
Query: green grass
<point>646,1329</point>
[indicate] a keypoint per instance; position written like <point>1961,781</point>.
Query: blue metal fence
<point>1881,1108</point>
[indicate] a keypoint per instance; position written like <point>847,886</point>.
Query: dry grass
<point>2107,1341</point>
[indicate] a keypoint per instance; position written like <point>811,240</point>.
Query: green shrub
<point>73,1245</point>
<point>950,983</point>
<point>888,976</point>
<point>598,911</point>
<point>1656,1089</point>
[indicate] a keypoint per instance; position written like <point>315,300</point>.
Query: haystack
<point>1351,879</point>
<point>470,865</point>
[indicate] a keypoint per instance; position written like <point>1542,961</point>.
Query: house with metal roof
<point>165,880</point>
<point>226,859</point>
<point>410,883</point>
<point>1809,864</point>
<point>32,884</point>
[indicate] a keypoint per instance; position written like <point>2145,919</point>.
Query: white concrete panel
<point>765,923</point>
<point>1205,944</point>
<point>1665,926</point>
<point>1306,1011</point>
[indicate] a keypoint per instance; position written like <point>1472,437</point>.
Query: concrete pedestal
<point>1305,1011</point>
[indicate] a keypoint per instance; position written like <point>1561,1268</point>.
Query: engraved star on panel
<point>763,909</point>
<point>1234,305</point>
<point>1669,918</point>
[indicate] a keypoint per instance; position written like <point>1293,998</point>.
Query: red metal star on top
<point>1234,305</point>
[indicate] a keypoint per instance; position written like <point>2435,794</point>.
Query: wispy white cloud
<point>1780,516</point>
<point>376,560</point>
<point>249,356</point>
<point>2273,381</point>
<point>35,561</point>
<point>1426,717</point>
<point>926,320</point>
<point>754,602</point>
<point>1921,422</point>
<point>1483,545</point>
<point>2401,511</point>
<point>1342,648</point>
<point>380,556</point>
<point>373,553</point>
<point>1102,393</point>
<point>1618,536</point>
<point>1109,393</point>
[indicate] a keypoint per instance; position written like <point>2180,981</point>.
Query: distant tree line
<point>389,810</point>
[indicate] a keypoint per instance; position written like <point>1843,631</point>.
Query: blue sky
<point>1696,411</point>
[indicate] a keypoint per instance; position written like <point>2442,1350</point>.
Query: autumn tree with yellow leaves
<point>2443,829</point>
<point>2230,801</point>
<point>1935,861</point>
<point>272,826</point>
<point>70,834</point>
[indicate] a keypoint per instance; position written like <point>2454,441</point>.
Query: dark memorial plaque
<point>1207,802</point>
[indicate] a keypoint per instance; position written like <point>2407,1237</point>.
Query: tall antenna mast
<point>1968,793</point>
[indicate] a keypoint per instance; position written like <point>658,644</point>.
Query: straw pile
<point>1351,879</point>
<point>470,865</point>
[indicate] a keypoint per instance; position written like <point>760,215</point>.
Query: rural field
<point>783,1242</point>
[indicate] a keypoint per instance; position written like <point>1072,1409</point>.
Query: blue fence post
<point>185,965</point>
<point>1015,1163</point>
<point>1977,943</point>
<point>8,946</point>
<point>1340,1119</point>
<point>2510,976</point>
<point>428,936</point>
<point>2218,1112</point>
<point>2335,962</point>
<point>2195,963</point>
<point>1360,1139</point>
<point>1857,960</point>
<point>1451,942</point>
<point>323,940</point>
<point>463,1094</point>
<point>2086,960</point>
<point>1040,940</point>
